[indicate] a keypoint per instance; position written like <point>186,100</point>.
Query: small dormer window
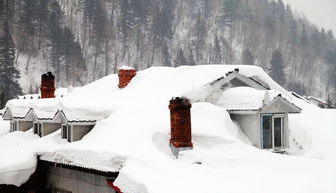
<point>39,130</point>
<point>67,132</point>
<point>64,131</point>
<point>13,126</point>
<point>37,127</point>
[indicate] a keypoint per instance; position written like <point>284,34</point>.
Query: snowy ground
<point>134,140</point>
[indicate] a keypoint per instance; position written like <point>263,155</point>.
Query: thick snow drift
<point>134,139</point>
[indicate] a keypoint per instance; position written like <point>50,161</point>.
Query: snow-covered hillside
<point>134,139</point>
<point>83,40</point>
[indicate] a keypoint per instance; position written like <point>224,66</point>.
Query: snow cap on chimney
<point>125,74</point>
<point>180,122</point>
<point>47,85</point>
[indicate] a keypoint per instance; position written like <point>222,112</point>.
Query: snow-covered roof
<point>250,99</point>
<point>79,116</point>
<point>45,109</point>
<point>18,108</point>
<point>134,139</point>
<point>310,98</point>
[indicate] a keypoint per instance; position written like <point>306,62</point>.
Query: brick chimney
<point>47,85</point>
<point>180,123</point>
<point>125,76</point>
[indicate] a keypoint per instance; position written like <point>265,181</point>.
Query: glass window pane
<point>69,133</point>
<point>64,131</point>
<point>278,131</point>
<point>35,128</point>
<point>267,131</point>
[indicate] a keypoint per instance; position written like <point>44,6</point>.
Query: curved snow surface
<point>134,139</point>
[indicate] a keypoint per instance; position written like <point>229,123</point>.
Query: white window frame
<point>68,134</point>
<point>283,129</point>
<point>283,134</point>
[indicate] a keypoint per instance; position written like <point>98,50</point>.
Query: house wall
<point>250,125</point>
<point>24,125</point>
<point>72,181</point>
<point>79,131</point>
<point>48,128</point>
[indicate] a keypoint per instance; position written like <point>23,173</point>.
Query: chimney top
<point>125,76</point>
<point>180,124</point>
<point>180,101</point>
<point>47,85</point>
<point>124,67</point>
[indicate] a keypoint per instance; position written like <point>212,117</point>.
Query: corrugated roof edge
<point>49,159</point>
<point>111,174</point>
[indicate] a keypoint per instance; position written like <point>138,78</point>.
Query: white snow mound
<point>134,138</point>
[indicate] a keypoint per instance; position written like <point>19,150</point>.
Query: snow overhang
<point>60,117</point>
<point>280,104</point>
<point>7,115</point>
<point>249,81</point>
<point>31,116</point>
<point>77,118</point>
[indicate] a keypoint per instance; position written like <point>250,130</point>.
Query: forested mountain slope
<point>83,40</point>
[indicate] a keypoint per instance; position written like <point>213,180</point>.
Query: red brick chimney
<point>125,76</point>
<point>180,123</point>
<point>47,85</point>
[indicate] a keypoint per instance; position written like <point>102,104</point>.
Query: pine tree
<point>166,56</point>
<point>126,23</point>
<point>200,31</point>
<point>217,52</point>
<point>180,58</point>
<point>55,36</point>
<point>190,58</point>
<point>229,9</point>
<point>329,102</point>
<point>304,36</point>
<point>69,51</point>
<point>247,57</point>
<point>277,67</point>
<point>330,59</point>
<point>9,75</point>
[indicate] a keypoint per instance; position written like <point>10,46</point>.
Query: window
<point>278,129</point>
<point>64,131</point>
<point>35,127</point>
<point>13,126</point>
<point>266,131</point>
<point>39,130</point>
<point>273,131</point>
<point>69,133</point>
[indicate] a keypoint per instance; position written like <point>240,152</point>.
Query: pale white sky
<point>320,12</point>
